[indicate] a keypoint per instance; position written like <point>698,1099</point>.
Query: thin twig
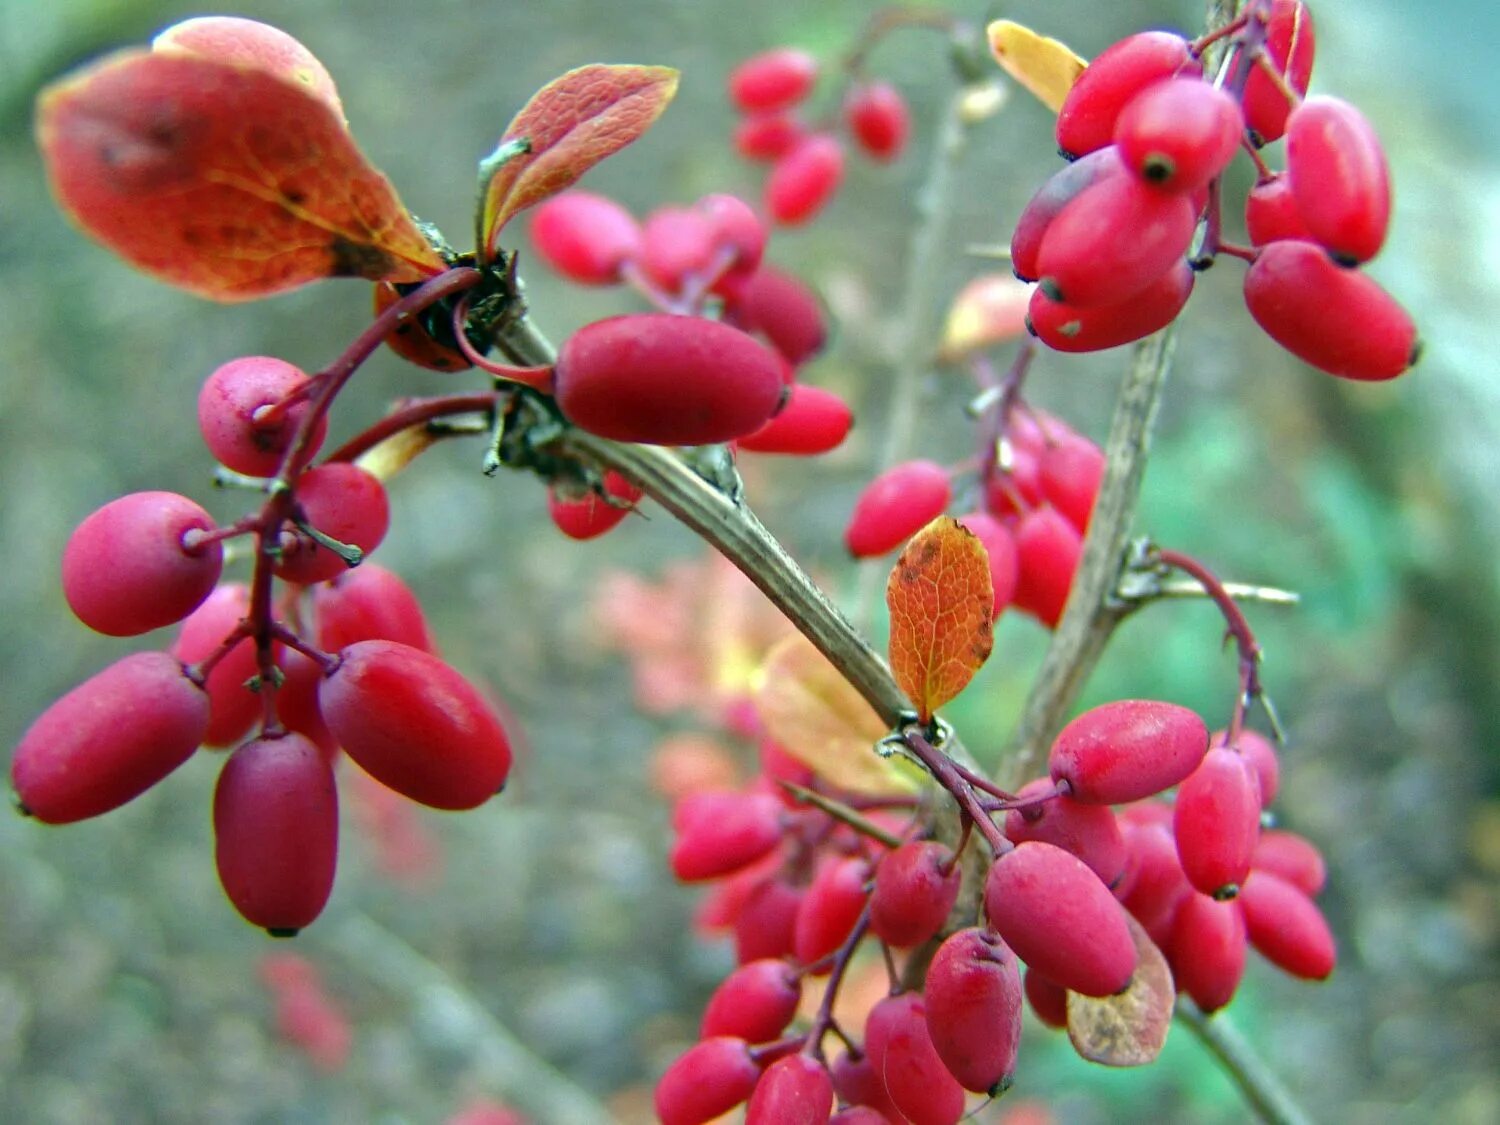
<point>1264,1092</point>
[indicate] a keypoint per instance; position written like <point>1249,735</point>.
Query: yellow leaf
<point>1131,1028</point>
<point>989,310</point>
<point>942,613</point>
<point>1044,66</point>
<point>818,718</point>
<point>396,452</point>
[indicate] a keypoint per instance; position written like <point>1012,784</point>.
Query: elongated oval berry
<point>1216,822</point>
<point>811,421</point>
<point>708,1079</point>
<point>767,921</point>
<point>666,380</point>
<point>804,180</point>
<point>228,406</point>
<point>1291,857</point>
<point>834,901</point>
<point>1271,211</point>
<point>721,831</point>
<point>974,1009</point>
<point>754,1003</point>
<point>276,832</point>
<point>794,1090</point>
<point>739,233</point>
<point>1339,177</point>
<point>900,1050</point>
<point>1180,133</point>
<point>1286,927</point>
<point>1061,188</point>
<point>109,739</point>
<point>857,1083</point>
<point>1086,120</point>
<point>916,886</point>
<point>774,79</point>
<point>1260,752</point>
<point>1115,238</point>
<point>1290,47</point>
<point>1155,885</point>
<point>1127,750</point>
<point>1071,468</point>
<point>1048,1000</point>
<point>1074,328</point>
<point>1060,919</point>
<point>1207,950</point>
<point>345,503</point>
<point>879,119</point>
<point>585,237</point>
<point>591,515</point>
<point>768,136</point>
<point>233,706</point>
<point>415,725</point>
<point>297,700</point>
<point>1090,832</point>
<point>369,603</point>
<point>677,246</point>
<point>784,310</point>
<point>1047,551</point>
<point>895,505</point>
<point>1000,551</point>
<point>126,569</point>
<point>1338,320</point>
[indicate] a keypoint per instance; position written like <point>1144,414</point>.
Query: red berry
<point>677,246</point>
<point>369,603</point>
<point>916,886</point>
<point>719,832</point>
<point>901,1051</point>
<point>1286,927</point>
<point>297,699</point>
<point>1049,1001</point>
<point>709,1079</point>
<point>795,1090</point>
<point>415,725</point>
<point>276,832</point>
<point>879,119</point>
<point>1290,857</point>
<point>1156,885</point>
<point>830,908</point>
<point>126,569</point>
<point>772,80</point>
<point>857,1083</point>
<point>1088,831</point>
<point>810,421</point>
<point>974,1009</point>
<point>109,739</point>
<point>768,136</point>
<point>859,1115</point>
<point>767,921</point>
<point>345,503</point>
<point>738,230</point>
<point>1086,121</point>
<point>1271,211</point>
<point>755,1002</point>
<point>1073,328</point>
<point>1000,549</point>
<point>1127,750</point>
<point>234,707</point>
<point>1070,469</point>
<point>1115,238</point>
<point>805,179</point>
<point>895,505</point>
<point>1336,319</point>
<point>1260,753</point>
<point>1060,919</point>
<point>229,402</point>
<point>1207,950</point>
<point>591,515</point>
<point>1061,188</point>
<point>1047,551</point>
<point>585,237</point>
<point>1216,822</point>
<point>1290,47</point>
<point>783,310</point>
<point>666,380</point>
<point>1339,177</point>
<point>1181,133</point>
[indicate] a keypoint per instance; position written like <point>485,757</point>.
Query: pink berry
<point>1071,468</point>
<point>895,505</point>
<point>755,1002</point>
<point>591,515</point>
<point>345,503</point>
<point>1127,750</point>
<point>1090,832</point>
<point>879,118</point>
<point>794,1090</point>
<point>1260,752</point>
<point>230,407</point>
<point>768,136</point>
<point>1271,211</point>
<point>1074,328</point>
<point>1048,548</point>
<point>709,1079</point>
<point>1061,188</point>
<point>369,603</point>
<point>834,901</point>
<point>1216,822</point>
<point>772,80</point>
<point>1086,121</point>
<point>1290,47</point>
<point>767,921</point>
<point>1180,133</point>
<point>677,246</point>
<point>1339,178</point>
<point>1286,927</point>
<point>784,310</point>
<point>1156,885</point>
<point>719,832</point>
<point>234,707</point>
<point>585,237</point>
<point>1291,857</point>
<point>906,1062</point>
<point>805,179</point>
<point>811,421</point>
<point>1207,950</point>
<point>916,886</point>
<point>974,1009</point>
<point>1049,1001</point>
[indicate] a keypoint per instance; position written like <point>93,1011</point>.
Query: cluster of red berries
<point>801,890</point>
<point>1035,508</point>
<point>807,160</point>
<point>1108,237</point>
<point>339,660</point>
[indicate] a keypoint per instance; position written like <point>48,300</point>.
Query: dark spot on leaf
<point>358,259</point>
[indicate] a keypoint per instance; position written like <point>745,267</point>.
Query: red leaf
<point>572,123</point>
<point>222,179</point>
<point>942,620</point>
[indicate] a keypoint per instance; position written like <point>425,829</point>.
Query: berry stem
<point>843,813</point>
<point>946,772</point>
<point>539,378</point>
<point>414,413</point>
<point>823,1022</point>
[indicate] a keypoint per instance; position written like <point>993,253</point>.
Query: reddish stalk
<point>414,413</point>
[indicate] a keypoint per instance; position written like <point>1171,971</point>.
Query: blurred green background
<point>128,988</point>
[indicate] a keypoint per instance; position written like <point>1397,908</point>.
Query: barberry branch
<point>1264,1092</point>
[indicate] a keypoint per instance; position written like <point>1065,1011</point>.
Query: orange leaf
<point>1129,1029</point>
<point>1045,66</point>
<point>572,123</point>
<point>817,717</point>
<point>222,178</point>
<point>942,614</point>
<point>989,310</point>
